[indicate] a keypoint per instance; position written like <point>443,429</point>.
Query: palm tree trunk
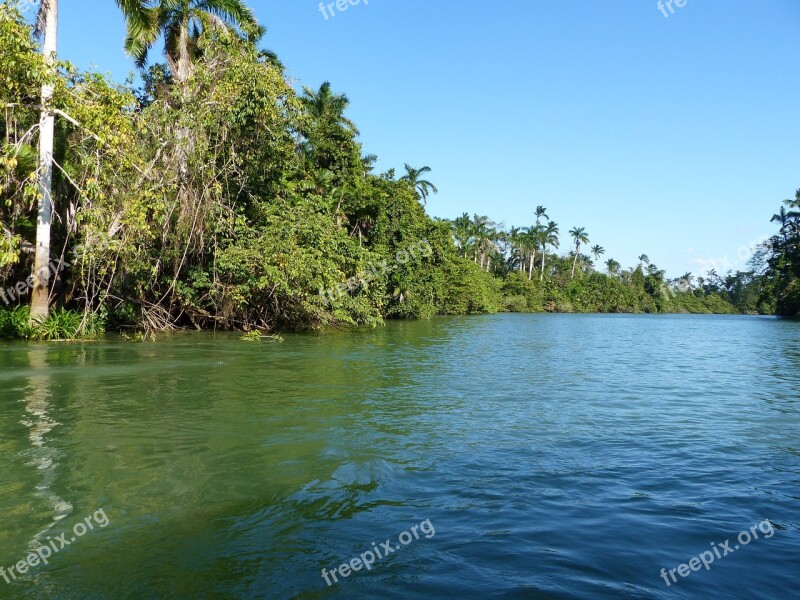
<point>181,66</point>
<point>183,59</point>
<point>575,262</point>
<point>40,296</point>
<point>544,253</point>
<point>530,265</point>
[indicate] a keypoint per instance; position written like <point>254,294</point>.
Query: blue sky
<point>677,137</point>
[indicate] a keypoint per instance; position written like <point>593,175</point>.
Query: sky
<point>675,136</point>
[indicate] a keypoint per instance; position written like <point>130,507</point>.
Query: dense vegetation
<point>778,261</point>
<point>217,196</point>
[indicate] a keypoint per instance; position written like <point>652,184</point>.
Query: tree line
<point>215,195</point>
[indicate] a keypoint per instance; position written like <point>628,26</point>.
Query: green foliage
<point>521,294</point>
<point>15,323</point>
<point>779,261</point>
<point>61,324</point>
<point>257,336</point>
<point>219,197</point>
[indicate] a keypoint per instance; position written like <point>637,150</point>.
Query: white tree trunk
<point>544,253</point>
<point>40,297</point>
<point>575,262</point>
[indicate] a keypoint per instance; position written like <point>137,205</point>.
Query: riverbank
<point>63,324</point>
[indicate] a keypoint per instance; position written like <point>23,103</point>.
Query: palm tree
<point>549,237</point>
<point>368,162</point>
<point>541,213</point>
<point>784,219</point>
<point>516,239</point>
<point>326,107</point>
<point>580,236</point>
<point>480,228</point>
<point>644,260</point>
<point>423,187</point>
<point>613,266</point>
<point>463,231</point>
<point>489,245</point>
<point>793,203</point>
<point>714,279</point>
<point>181,22</point>
<point>531,240</point>
<point>598,251</point>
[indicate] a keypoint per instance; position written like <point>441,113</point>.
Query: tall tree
<point>580,237</point>
<point>516,239</point>
<point>597,251</point>
<point>181,22</point>
<point>463,232</point>
<point>794,203</point>
<point>644,260</point>
<point>423,186</point>
<point>549,238</point>
<point>531,240</point>
<point>47,25</point>
<point>783,218</point>
<point>481,226</point>
<point>327,108</point>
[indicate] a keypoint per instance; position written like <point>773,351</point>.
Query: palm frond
<point>234,12</point>
<point>41,18</point>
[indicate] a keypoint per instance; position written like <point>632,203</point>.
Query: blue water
<point>546,456</point>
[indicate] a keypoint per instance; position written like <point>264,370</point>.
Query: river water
<point>506,456</point>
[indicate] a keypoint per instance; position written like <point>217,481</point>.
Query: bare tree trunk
<point>40,296</point>
<point>544,253</point>
<point>181,63</point>
<point>530,265</point>
<point>575,262</point>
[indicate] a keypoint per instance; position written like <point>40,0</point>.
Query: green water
<point>556,456</point>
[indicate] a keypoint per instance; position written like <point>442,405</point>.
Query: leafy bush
<point>61,324</point>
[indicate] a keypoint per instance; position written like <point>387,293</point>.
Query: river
<point>505,456</point>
